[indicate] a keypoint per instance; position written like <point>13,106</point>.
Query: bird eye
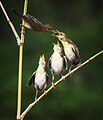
<point>50,28</point>
<point>61,34</point>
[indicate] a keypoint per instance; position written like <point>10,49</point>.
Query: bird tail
<point>17,13</point>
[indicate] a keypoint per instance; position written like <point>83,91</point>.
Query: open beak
<point>56,33</point>
<point>53,31</point>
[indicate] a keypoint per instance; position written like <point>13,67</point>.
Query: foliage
<point>80,96</point>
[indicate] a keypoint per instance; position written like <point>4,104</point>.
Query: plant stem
<point>11,25</point>
<point>20,64</point>
<point>56,83</point>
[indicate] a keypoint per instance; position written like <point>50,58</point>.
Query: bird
<point>70,49</point>
<point>39,78</point>
<point>33,23</point>
<point>57,62</point>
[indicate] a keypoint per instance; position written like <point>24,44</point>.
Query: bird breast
<point>57,63</point>
<point>40,79</point>
<point>68,49</point>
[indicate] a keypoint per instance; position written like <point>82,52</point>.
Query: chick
<point>57,62</point>
<point>39,78</point>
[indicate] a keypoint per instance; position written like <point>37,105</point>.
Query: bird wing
<point>34,23</point>
<point>33,19</point>
<point>31,80</point>
<point>75,48</point>
<point>70,41</point>
<point>76,51</point>
<point>65,62</point>
<point>49,63</point>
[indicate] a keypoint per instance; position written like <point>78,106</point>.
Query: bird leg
<point>52,78</point>
<point>45,92</point>
<point>36,94</point>
<point>53,84</point>
<point>52,75</point>
<point>52,81</point>
<point>45,86</point>
<point>70,70</point>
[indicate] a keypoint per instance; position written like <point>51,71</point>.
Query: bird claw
<point>53,85</point>
<point>63,77</point>
<point>35,99</point>
<point>70,71</point>
<point>21,25</point>
<point>45,92</point>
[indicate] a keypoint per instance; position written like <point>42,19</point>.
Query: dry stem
<point>20,64</point>
<point>56,83</point>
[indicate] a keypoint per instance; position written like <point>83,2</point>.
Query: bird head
<point>48,28</point>
<point>42,61</point>
<point>57,47</point>
<point>60,35</point>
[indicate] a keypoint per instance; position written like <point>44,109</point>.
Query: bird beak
<point>56,33</point>
<point>56,44</point>
<point>53,31</point>
<point>42,57</point>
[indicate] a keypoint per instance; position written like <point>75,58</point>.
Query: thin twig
<point>11,25</point>
<point>56,83</point>
<point>20,64</point>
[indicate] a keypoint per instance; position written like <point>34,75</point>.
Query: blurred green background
<point>79,97</point>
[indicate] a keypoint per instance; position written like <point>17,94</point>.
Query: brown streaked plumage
<point>70,49</point>
<point>34,24</point>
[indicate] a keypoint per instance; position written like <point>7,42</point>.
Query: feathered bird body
<point>57,62</point>
<point>39,78</point>
<point>34,24</point>
<point>71,53</point>
<point>70,49</point>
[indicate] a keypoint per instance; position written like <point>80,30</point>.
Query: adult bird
<point>34,24</point>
